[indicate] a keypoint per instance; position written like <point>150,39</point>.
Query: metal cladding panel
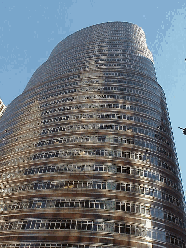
<point>87,151</point>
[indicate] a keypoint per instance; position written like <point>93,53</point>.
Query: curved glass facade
<point>87,152</point>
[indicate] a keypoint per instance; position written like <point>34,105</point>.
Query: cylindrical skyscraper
<point>87,152</point>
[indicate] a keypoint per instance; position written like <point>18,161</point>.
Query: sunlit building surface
<point>2,108</point>
<point>87,152</point>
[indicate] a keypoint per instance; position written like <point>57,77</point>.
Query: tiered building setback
<point>87,157</point>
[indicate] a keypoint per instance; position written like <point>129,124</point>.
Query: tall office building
<point>2,107</point>
<point>87,152</point>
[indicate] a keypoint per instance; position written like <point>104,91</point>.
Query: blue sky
<point>29,30</point>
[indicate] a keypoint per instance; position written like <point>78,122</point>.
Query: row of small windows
<point>137,80</point>
<point>140,82</point>
<point>102,51</point>
<point>56,119</point>
<point>111,127</point>
<point>93,88</point>
<point>131,59</point>
<point>58,93</point>
<point>105,116</point>
<point>101,168</point>
<point>159,136</point>
<point>130,64</point>
<point>57,101</point>
<point>149,174</point>
<point>46,89</point>
<point>51,86</point>
<point>98,116</point>
<point>96,204</point>
<point>81,98</point>
<point>57,245</point>
<point>35,92</point>
<point>99,106</point>
<point>95,152</point>
<point>93,126</point>
<point>94,97</point>
<point>70,84</point>
<point>101,35</point>
<point>75,83</point>
<point>102,88</point>
<point>99,126</point>
<point>89,138</point>
<point>145,86</point>
<point>75,67</point>
<point>94,184</point>
<point>148,158</point>
<point>93,139</point>
<point>88,48</point>
<point>149,73</point>
<point>93,226</point>
<point>56,73</point>
<point>155,85</point>
<point>85,225</point>
<point>75,203</point>
<point>174,240</point>
<point>92,168</point>
<point>121,61</point>
<point>61,168</point>
<point>54,94</point>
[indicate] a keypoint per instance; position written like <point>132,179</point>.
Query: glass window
<point>128,207</point>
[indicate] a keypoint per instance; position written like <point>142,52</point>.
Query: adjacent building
<point>87,151</point>
<point>2,107</point>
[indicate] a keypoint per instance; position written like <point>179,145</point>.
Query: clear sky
<point>29,30</point>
